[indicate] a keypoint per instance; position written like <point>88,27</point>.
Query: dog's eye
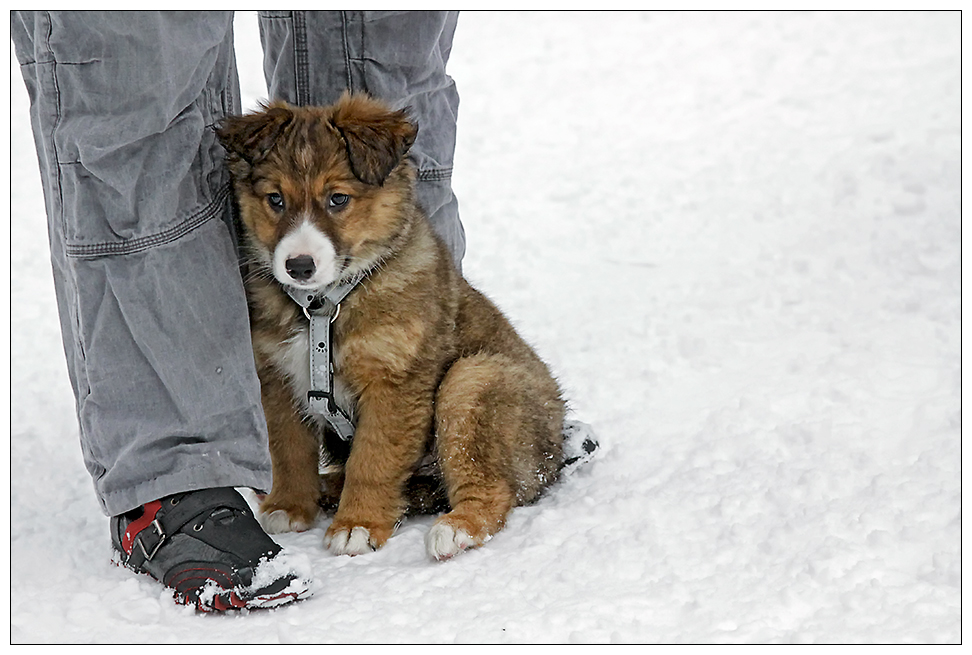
<point>276,201</point>
<point>338,200</point>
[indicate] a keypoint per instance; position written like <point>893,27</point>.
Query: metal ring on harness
<point>337,311</point>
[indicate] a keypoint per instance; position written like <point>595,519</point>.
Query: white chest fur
<point>293,360</point>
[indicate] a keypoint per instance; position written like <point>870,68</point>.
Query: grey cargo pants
<point>152,310</point>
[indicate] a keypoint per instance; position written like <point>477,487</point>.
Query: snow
<point>736,239</point>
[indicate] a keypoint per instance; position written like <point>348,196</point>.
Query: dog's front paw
<point>446,539</point>
<point>344,538</point>
<point>276,519</point>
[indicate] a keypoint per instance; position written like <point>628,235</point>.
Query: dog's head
<point>323,191</point>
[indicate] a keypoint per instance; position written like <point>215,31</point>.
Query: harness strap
<point>321,308</point>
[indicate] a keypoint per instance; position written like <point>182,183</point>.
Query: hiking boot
<point>209,549</point>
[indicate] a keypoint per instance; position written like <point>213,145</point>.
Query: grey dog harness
<point>322,308</point>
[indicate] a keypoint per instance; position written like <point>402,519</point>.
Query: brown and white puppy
<point>428,368</point>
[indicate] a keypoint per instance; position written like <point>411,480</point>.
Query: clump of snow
<point>736,239</point>
<point>284,563</point>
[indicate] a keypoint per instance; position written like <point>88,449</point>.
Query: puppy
<point>436,381</point>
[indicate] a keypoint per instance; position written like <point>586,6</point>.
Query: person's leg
<point>151,303</point>
<point>312,57</point>
<point>153,315</point>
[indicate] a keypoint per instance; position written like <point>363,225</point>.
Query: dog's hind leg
<point>498,443</point>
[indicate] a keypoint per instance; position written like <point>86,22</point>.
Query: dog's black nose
<point>300,268</point>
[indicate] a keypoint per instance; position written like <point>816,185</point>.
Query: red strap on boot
<point>139,524</point>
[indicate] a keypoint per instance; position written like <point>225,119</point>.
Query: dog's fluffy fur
<point>430,369</point>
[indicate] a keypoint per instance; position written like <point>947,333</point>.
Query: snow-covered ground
<point>736,238</point>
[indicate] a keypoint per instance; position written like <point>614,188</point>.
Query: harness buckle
<point>323,395</point>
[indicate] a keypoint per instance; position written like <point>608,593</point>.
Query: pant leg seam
<point>301,70</point>
<point>133,246</point>
<point>435,174</point>
<point>42,62</point>
<point>57,122</point>
<point>347,50</point>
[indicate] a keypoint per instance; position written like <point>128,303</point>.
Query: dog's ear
<point>250,137</point>
<point>376,137</point>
